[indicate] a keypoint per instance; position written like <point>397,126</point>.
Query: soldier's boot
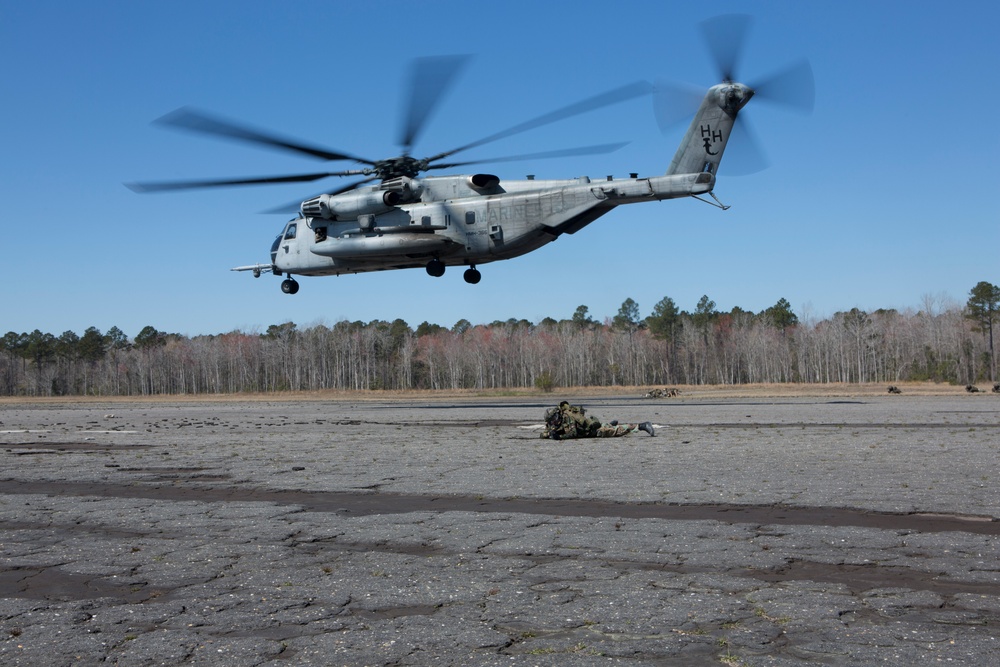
<point>647,427</point>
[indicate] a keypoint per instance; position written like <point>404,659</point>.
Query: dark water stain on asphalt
<point>49,582</point>
<point>370,503</point>
<point>859,578</point>
<point>42,445</point>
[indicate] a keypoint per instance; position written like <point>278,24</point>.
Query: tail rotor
<point>725,37</point>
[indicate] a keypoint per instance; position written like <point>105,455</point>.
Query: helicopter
<point>396,217</point>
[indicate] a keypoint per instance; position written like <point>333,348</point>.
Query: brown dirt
<point>686,392</point>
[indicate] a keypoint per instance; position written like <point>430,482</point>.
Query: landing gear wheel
<point>472,276</point>
<point>435,268</point>
<point>289,286</point>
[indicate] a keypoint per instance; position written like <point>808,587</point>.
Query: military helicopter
<point>396,217</point>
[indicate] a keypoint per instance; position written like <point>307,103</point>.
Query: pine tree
<point>983,308</point>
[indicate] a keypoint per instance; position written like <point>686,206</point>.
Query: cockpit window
<point>290,231</point>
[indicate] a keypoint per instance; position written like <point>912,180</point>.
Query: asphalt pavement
<point>406,531</point>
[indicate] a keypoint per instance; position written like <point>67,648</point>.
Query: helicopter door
<point>494,216</point>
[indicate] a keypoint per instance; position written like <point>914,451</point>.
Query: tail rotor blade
<point>794,87</point>
<point>724,36</point>
<point>748,155</point>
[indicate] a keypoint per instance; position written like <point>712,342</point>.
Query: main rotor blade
<point>166,186</point>
<point>674,103</point>
<point>724,36</point>
<point>615,96</point>
<point>566,152</point>
<point>429,79</point>
<point>186,118</point>
<point>793,86</point>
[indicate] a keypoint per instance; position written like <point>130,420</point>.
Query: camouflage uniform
<point>571,421</point>
<point>614,429</point>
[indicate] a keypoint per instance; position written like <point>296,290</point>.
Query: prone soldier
<point>571,421</point>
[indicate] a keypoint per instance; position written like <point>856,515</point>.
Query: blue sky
<point>882,197</point>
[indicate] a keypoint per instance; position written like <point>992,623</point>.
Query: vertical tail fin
<point>705,141</point>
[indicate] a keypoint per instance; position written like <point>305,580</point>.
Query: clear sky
<point>884,196</point>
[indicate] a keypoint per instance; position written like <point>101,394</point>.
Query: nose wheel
<point>289,286</point>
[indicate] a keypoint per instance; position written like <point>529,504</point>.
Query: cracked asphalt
<point>411,531</point>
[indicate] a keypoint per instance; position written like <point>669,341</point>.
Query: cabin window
<point>290,231</point>
<point>320,234</point>
<point>470,217</point>
<point>426,221</point>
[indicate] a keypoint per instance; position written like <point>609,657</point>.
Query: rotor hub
<point>404,165</point>
<point>734,96</point>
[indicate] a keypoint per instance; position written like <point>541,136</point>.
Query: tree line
<point>938,342</point>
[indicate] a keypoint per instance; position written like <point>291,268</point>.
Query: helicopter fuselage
<point>456,220</point>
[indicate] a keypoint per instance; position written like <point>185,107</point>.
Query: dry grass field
<point>685,392</point>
